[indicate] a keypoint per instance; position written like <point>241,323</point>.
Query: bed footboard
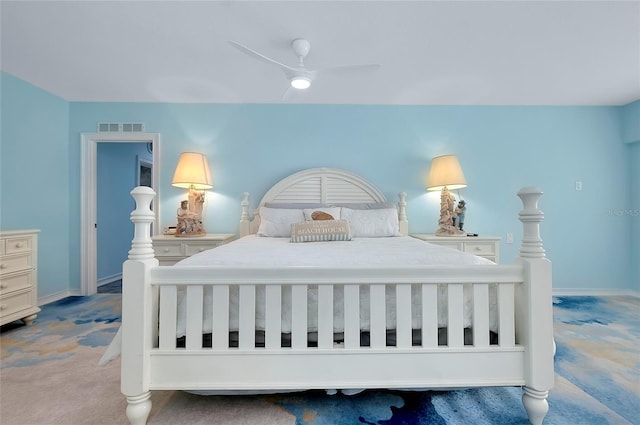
<point>507,344</point>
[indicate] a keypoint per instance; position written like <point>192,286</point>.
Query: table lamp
<point>445,174</point>
<point>192,172</point>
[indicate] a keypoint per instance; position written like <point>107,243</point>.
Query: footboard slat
<point>272,316</point>
<point>403,316</point>
<point>194,318</point>
<point>506,330</point>
<point>325,316</point>
<point>378,316</point>
<point>455,334</point>
<point>169,317</point>
<point>481,315</point>
<point>299,316</point>
<point>247,319</point>
<point>429,316</point>
<point>352,316</point>
<point>220,337</point>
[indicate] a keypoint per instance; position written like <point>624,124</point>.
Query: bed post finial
<point>245,220</point>
<point>142,217</point>
<point>244,204</point>
<point>531,217</point>
<point>402,213</point>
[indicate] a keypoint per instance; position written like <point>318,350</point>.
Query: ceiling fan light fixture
<point>300,82</point>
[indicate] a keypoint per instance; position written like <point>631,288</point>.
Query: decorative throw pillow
<point>320,230</point>
<point>277,222</point>
<point>373,223</point>
<point>328,213</point>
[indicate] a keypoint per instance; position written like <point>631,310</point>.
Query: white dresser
<point>483,246</point>
<point>170,249</point>
<point>18,276</point>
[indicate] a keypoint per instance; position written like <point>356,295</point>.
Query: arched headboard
<point>327,186</point>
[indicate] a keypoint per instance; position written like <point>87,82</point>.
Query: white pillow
<point>276,222</point>
<point>332,211</point>
<point>372,223</point>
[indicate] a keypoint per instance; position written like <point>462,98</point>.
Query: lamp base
<point>444,230</point>
<point>445,223</point>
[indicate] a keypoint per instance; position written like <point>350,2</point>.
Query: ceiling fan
<point>300,77</point>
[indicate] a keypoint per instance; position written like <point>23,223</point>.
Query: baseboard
<point>58,296</point>
<point>109,279</point>
<point>595,292</point>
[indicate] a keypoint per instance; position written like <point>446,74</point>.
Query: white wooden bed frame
<point>150,360</point>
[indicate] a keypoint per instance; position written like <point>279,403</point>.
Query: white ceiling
<point>430,52</point>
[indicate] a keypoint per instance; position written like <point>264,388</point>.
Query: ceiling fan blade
<point>260,56</point>
<point>349,69</point>
<point>288,94</point>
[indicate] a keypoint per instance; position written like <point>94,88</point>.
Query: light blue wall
<point>250,147</point>
<point>501,149</point>
<point>631,134</point>
<point>34,176</point>
<point>631,122</point>
<point>635,214</point>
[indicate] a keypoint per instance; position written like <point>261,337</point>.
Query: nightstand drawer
<point>480,248</point>
<point>483,246</point>
<point>15,283</point>
<point>15,264</point>
<point>194,248</point>
<point>168,250</point>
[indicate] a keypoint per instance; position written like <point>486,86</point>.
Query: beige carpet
<point>75,391</point>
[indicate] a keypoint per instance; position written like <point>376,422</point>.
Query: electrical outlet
<point>509,237</point>
<point>578,185</point>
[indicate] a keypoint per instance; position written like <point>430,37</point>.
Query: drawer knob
<point>166,250</point>
<point>478,248</point>
<point>19,245</point>
<point>3,286</point>
<point>200,249</point>
<point>3,266</point>
<point>3,307</point>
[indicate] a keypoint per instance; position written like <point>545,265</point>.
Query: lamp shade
<point>192,172</point>
<point>445,172</point>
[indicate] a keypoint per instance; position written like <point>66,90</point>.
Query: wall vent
<point>128,127</point>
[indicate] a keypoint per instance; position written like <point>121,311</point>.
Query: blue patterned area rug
<point>53,364</point>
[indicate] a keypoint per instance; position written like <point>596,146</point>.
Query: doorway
<point>89,189</point>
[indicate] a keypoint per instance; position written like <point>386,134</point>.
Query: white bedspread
<point>396,251</point>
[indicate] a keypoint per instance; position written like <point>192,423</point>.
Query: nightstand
<point>170,249</point>
<point>482,246</point>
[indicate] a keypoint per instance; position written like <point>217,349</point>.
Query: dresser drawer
<point>14,303</point>
<point>480,248</point>
<point>15,263</point>
<point>168,249</point>
<point>17,245</point>
<point>15,283</point>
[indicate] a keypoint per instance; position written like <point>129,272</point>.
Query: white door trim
<point>88,198</point>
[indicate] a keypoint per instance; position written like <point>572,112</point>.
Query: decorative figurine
<point>189,222</point>
<point>458,214</point>
<point>446,225</point>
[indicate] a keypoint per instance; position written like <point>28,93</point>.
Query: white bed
<point>263,313</point>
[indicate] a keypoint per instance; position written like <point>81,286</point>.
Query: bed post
<point>535,310</point>
<point>245,220</point>
<point>402,213</point>
<point>136,311</point>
